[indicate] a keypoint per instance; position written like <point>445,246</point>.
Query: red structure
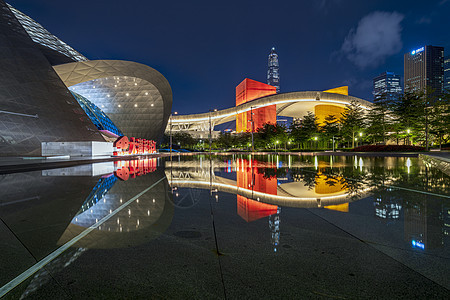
<point>131,146</point>
<point>131,168</point>
<point>249,90</point>
<point>247,177</point>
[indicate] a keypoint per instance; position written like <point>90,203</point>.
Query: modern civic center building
<point>258,103</point>
<point>49,92</point>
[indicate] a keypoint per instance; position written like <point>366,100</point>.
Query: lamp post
<point>276,143</point>
<point>210,129</point>
<point>315,138</point>
<point>170,131</point>
<point>251,120</point>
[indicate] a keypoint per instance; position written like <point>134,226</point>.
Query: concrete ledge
<point>76,149</point>
<point>440,162</point>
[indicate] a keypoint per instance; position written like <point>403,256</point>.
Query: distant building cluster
<point>424,68</point>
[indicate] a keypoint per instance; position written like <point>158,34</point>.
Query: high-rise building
<point>387,86</point>
<point>424,69</point>
<point>273,72</point>
<point>447,74</point>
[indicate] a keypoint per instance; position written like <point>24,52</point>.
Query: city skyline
<point>204,52</point>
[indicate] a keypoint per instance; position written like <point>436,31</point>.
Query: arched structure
<point>295,104</point>
<point>136,97</point>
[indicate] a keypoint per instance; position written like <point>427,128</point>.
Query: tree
<point>440,119</point>
<point>330,128</point>
<point>226,140</point>
<point>272,134</point>
<point>183,139</point>
<point>379,120</point>
<point>304,131</point>
<point>352,121</point>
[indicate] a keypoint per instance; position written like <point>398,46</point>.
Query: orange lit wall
<point>343,90</point>
<point>323,110</point>
<point>327,185</point>
<point>251,210</point>
<point>249,90</point>
<point>340,207</point>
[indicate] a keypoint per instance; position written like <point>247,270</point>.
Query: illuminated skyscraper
<point>273,72</point>
<point>424,69</point>
<point>387,86</point>
<point>447,73</point>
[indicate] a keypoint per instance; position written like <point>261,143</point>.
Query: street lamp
<point>170,131</point>
<point>210,129</point>
<point>276,143</point>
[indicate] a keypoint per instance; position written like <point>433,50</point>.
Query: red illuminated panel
<point>247,177</point>
<point>132,168</point>
<point>131,146</point>
<point>249,90</point>
<point>251,210</point>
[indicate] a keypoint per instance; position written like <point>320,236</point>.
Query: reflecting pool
<point>227,226</point>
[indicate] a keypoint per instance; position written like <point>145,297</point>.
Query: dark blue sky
<point>206,48</point>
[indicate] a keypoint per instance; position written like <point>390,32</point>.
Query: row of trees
<point>418,118</point>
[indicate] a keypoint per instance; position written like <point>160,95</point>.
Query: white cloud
<point>377,36</point>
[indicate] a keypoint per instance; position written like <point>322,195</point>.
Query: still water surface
<point>228,226</point>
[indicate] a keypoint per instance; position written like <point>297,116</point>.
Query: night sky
<point>206,48</point>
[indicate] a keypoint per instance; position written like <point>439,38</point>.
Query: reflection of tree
<point>309,177</point>
<point>269,173</point>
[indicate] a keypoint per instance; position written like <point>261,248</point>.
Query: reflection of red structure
<point>247,177</point>
<point>132,168</point>
<point>129,146</point>
<point>249,90</point>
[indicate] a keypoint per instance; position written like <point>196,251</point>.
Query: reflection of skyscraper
<point>386,206</point>
<point>423,223</point>
<point>274,226</point>
<point>273,72</point>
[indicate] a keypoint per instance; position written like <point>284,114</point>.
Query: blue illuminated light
<point>418,244</point>
<point>417,51</point>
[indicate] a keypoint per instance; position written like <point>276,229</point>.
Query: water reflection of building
<point>124,212</point>
<point>115,213</point>
<point>247,177</point>
<point>424,224</point>
<point>274,226</point>
<point>387,206</point>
